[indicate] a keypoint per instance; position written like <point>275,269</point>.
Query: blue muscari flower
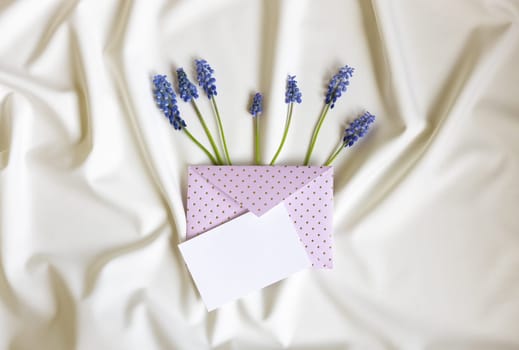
<point>338,84</point>
<point>357,129</point>
<point>205,77</point>
<point>257,105</point>
<point>187,90</point>
<point>167,101</point>
<point>292,93</point>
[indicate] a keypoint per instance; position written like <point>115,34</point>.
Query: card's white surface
<point>243,255</point>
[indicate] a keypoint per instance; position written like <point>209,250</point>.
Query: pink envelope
<point>218,194</point>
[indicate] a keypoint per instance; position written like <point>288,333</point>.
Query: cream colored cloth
<point>93,179</point>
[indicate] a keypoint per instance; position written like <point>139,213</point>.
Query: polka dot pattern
<point>207,206</point>
<point>311,209</point>
<point>217,194</point>
<point>259,188</point>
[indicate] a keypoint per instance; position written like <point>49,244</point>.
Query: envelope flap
<point>259,188</point>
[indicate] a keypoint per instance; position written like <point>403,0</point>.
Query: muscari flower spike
<point>205,77</point>
<point>292,93</point>
<point>187,90</point>
<point>357,129</point>
<point>257,105</point>
<point>167,101</point>
<point>338,84</point>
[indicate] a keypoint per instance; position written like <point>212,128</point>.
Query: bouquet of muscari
<point>250,226</point>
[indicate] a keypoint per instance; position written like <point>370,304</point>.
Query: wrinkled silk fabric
<point>93,178</point>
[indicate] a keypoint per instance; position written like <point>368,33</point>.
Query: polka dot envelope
<point>219,194</point>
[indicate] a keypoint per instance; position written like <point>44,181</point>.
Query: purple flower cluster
<point>257,105</point>
<point>338,84</point>
<point>167,101</point>
<point>186,89</point>
<point>357,129</point>
<point>205,77</point>
<point>292,93</point>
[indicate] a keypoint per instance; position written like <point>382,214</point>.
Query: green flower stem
<point>206,151</point>
<point>257,150</point>
<point>207,132</point>
<point>220,128</point>
<point>316,132</point>
<point>285,133</point>
<point>334,155</point>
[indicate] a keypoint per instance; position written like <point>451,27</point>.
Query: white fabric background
<point>92,178</point>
